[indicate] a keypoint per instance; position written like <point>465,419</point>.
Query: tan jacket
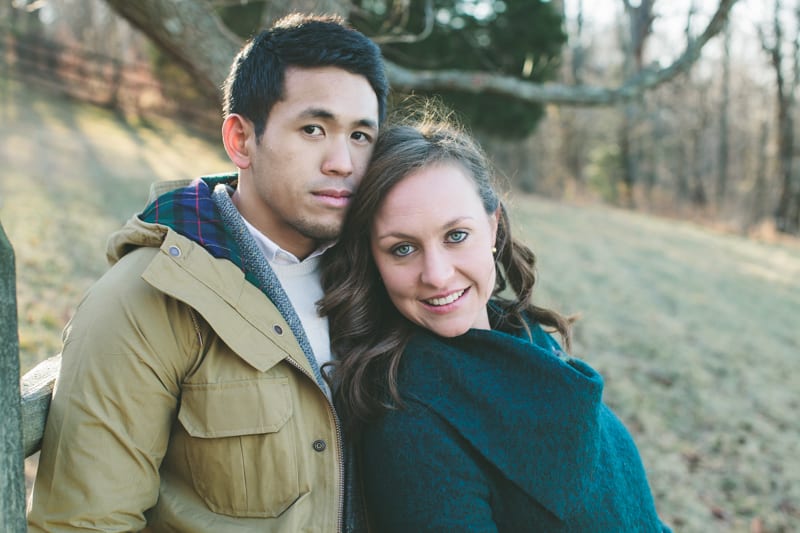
<point>185,403</point>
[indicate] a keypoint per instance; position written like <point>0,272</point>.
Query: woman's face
<point>432,243</point>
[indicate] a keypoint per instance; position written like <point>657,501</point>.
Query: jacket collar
<point>218,291</point>
<point>183,220</point>
<point>190,211</point>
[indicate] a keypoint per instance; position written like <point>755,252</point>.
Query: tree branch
<point>410,38</point>
<point>579,95</point>
<point>191,32</point>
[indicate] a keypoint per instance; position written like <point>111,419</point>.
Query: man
<point>190,396</point>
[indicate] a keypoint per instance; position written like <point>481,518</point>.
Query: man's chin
<point>324,233</point>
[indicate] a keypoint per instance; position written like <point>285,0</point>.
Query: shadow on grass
<point>72,174</point>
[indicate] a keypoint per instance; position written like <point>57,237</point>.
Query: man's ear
<point>236,130</point>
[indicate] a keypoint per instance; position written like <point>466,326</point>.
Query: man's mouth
<point>337,198</point>
<point>334,193</point>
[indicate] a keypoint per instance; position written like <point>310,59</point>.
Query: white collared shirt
<point>301,281</point>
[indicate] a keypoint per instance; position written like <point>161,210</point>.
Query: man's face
<point>314,151</point>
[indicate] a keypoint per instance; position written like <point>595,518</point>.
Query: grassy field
<point>696,333</point>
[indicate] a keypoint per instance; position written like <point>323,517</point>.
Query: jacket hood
<point>134,234</point>
<point>184,206</point>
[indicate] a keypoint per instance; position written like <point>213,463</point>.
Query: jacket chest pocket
<point>241,453</point>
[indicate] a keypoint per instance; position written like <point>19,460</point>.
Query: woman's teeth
<point>446,300</point>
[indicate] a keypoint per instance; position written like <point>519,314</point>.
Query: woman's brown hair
<point>368,334</point>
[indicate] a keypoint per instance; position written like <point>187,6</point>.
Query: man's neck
<point>298,246</point>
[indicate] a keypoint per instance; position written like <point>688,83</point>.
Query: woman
<point>468,415</point>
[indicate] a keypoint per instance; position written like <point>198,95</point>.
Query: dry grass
<point>71,174</point>
<point>697,336</point>
<point>695,332</point>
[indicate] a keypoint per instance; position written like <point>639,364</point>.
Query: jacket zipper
<point>339,452</point>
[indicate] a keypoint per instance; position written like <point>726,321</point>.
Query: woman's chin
<point>451,331</point>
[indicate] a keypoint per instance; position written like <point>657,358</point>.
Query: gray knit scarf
<point>255,262</point>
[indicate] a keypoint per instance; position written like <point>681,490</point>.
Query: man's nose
<point>338,159</point>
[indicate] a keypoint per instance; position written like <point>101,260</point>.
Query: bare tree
<point>724,111</point>
<point>573,136</point>
<point>639,28</point>
<point>697,188</point>
<point>759,189</point>
<point>787,78</point>
<point>688,156</point>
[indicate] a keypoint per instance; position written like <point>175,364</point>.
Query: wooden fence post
<point>12,466</point>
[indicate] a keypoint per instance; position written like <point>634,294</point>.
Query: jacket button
<point>174,251</point>
<point>277,329</point>
<point>319,445</point>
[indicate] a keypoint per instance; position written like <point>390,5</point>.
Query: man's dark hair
<point>256,80</point>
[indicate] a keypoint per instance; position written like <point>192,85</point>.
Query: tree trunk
<point>189,32</point>
<point>684,167</point>
<point>697,192</point>
<point>785,99</point>
<point>759,193</point>
<point>785,156</point>
<point>628,159</point>
<point>724,138</point>
<point>573,136</point>
<point>655,136</point>
<point>640,26</point>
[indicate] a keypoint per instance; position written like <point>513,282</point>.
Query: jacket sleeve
<point>420,475</point>
<point>124,356</point>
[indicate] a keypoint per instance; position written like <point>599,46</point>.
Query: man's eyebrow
<point>317,112</point>
<point>321,113</point>
<point>367,123</point>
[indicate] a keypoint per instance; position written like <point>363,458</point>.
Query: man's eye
<point>402,250</point>
<point>457,236</point>
<point>361,136</point>
<point>312,130</point>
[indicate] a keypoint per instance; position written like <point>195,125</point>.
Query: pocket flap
<point>245,407</point>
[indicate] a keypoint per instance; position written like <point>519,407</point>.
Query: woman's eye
<point>402,250</point>
<point>456,236</point>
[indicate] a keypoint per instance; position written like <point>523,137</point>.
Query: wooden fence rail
<point>36,390</point>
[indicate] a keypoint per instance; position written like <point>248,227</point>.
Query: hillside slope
<point>697,334</point>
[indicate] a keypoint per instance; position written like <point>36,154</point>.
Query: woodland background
<point>681,107</point>
<point>649,147</point>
